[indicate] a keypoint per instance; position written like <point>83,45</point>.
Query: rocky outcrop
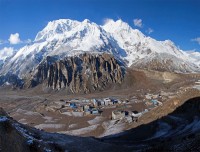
<point>15,137</point>
<point>83,73</point>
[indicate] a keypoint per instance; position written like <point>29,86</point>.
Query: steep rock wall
<point>83,73</point>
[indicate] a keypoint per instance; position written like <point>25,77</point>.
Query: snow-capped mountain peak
<point>139,46</point>
<point>111,25</point>
<point>66,29</point>
<point>65,37</point>
<point>56,27</point>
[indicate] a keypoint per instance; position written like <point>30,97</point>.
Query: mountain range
<point>65,38</point>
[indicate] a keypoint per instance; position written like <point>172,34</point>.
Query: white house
<point>118,114</point>
<point>106,101</point>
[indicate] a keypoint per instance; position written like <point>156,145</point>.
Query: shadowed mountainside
<point>177,131</point>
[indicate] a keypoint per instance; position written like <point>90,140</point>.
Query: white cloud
<point>6,52</point>
<point>149,30</point>
<point>14,38</point>
<point>197,40</point>
<point>137,22</point>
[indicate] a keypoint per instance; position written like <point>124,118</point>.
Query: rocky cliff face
<point>83,73</point>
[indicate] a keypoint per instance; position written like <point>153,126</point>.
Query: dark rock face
<point>10,139</point>
<point>83,73</point>
<point>11,79</point>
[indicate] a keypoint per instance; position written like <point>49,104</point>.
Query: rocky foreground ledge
<point>20,138</point>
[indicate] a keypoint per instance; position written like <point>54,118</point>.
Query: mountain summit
<point>64,37</point>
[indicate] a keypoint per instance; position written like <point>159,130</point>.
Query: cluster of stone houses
<point>152,101</point>
<point>128,116</point>
<point>87,106</point>
<point>106,102</point>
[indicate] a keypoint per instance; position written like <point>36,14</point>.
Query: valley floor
<point>42,110</point>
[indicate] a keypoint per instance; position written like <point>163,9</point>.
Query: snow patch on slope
<point>81,131</point>
<point>49,126</point>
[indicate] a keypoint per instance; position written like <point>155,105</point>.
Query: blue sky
<point>177,20</point>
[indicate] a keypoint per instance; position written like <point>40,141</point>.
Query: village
<point>121,109</point>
